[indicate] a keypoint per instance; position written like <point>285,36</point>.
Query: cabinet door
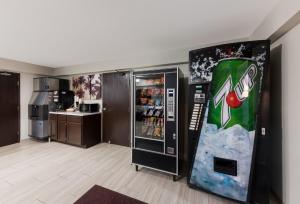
<point>74,133</point>
<point>53,129</point>
<point>62,131</point>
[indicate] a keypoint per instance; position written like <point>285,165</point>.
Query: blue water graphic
<point>234,143</point>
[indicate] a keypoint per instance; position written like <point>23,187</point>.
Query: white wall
<point>283,11</point>
<point>290,113</point>
<point>26,88</point>
<point>27,73</point>
<point>136,61</point>
<point>22,67</point>
<point>290,98</point>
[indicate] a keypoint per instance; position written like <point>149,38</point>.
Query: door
<point>116,108</point>
<point>9,108</point>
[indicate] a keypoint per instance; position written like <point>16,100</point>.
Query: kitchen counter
<point>75,128</point>
<point>77,113</point>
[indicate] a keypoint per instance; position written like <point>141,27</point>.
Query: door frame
<point>19,106</point>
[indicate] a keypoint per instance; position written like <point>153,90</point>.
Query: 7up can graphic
<point>234,94</point>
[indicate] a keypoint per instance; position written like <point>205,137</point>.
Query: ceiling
<point>58,33</point>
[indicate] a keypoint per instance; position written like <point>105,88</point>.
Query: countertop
<point>73,113</point>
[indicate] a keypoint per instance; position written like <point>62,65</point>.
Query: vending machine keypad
<point>198,96</point>
<point>199,100</point>
<point>197,110</point>
<point>170,104</point>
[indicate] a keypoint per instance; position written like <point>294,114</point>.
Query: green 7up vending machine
<point>224,156</point>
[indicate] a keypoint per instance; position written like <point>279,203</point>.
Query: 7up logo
<point>231,96</point>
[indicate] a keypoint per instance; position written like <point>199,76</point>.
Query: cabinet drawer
<point>62,117</point>
<point>74,119</point>
<point>52,116</point>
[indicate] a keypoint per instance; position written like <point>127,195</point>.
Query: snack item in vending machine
<point>157,81</point>
<point>156,92</point>
<point>150,131</point>
<point>145,122</point>
<point>152,121</point>
<point>158,113</point>
<point>145,112</point>
<point>150,113</point>
<point>151,102</point>
<point>157,132</point>
<point>149,82</point>
<point>150,91</point>
<point>158,102</point>
<point>158,122</point>
<point>161,122</point>
<point>162,91</point>
<point>144,101</point>
<point>162,79</point>
<point>143,92</point>
<point>144,130</point>
<point>148,122</point>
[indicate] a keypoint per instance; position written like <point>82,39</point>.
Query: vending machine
<point>156,139</point>
<point>198,98</point>
<point>226,128</point>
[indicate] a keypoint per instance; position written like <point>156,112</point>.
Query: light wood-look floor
<point>34,172</point>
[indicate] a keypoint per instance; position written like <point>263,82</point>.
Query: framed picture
<point>87,87</point>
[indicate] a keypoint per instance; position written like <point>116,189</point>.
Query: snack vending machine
<point>226,128</point>
<point>156,140</point>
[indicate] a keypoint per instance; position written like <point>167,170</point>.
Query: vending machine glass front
<point>149,107</point>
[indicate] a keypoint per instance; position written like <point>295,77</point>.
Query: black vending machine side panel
<point>171,113</point>
<point>198,96</point>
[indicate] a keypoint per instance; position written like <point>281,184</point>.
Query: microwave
<point>89,108</point>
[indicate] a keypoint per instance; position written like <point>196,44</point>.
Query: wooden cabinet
<point>62,128</point>
<point>74,130</point>
<point>53,126</point>
<point>82,131</point>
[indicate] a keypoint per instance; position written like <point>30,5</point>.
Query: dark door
<point>9,108</point>
<point>116,108</point>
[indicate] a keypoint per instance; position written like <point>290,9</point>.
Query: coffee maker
<point>63,99</point>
